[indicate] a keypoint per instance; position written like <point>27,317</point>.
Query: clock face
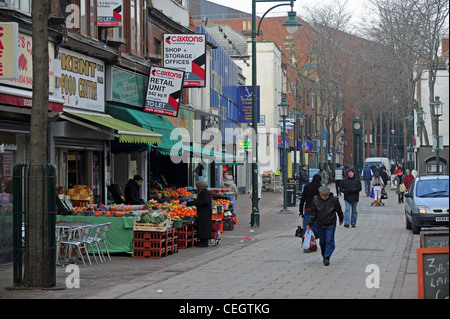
<point>356,125</point>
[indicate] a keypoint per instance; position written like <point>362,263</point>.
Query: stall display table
<point>120,235</point>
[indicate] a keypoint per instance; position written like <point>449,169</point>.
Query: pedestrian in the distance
<point>324,175</point>
<point>303,178</point>
<point>323,210</point>
<point>309,191</point>
<point>377,184</point>
<point>408,179</point>
<point>351,186</point>
<point>399,181</point>
<point>367,176</point>
<point>338,177</point>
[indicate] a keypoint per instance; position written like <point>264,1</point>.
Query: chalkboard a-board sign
<point>434,238</point>
<point>433,273</point>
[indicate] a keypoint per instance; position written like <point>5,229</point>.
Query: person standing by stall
<point>132,191</point>
<point>204,214</point>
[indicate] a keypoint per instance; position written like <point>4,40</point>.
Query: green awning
<point>150,121</point>
<point>125,132</point>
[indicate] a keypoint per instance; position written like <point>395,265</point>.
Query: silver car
<point>427,202</point>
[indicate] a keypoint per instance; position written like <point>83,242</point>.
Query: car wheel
<point>415,229</point>
<point>408,223</point>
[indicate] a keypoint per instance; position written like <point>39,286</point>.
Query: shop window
<point>87,21</point>
<point>20,5</point>
<point>135,26</point>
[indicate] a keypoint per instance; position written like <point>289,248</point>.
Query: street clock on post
<point>357,142</point>
<point>357,126</point>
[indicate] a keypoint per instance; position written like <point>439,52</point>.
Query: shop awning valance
<point>153,122</point>
<point>219,158</point>
<point>125,132</point>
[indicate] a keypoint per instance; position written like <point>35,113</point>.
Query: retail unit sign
<point>187,52</point>
<point>109,13</point>
<point>80,81</point>
<point>164,91</point>
<point>24,60</point>
<point>9,64</point>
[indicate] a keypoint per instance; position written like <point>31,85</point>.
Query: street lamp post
<point>283,106</point>
<point>410,119</point>
<point>437,104</point>
<point>292,25</point>
<point>301,120</point>
<point>421,121</point>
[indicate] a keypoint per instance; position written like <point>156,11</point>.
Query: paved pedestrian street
<point>377,259</point>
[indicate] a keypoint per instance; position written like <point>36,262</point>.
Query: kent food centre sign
<point>164,91</point>
<point>187,52</point>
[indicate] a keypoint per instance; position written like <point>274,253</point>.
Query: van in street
<point>379,161</point>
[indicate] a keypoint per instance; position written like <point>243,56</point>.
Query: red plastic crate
<point>149,253</point>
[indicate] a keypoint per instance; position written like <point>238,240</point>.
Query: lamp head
<point>291,23</point>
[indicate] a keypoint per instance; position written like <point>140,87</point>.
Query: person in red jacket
<point>408,178</point>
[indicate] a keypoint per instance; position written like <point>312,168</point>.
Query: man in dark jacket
<point>309,191</point>
<point>323,210</point>
<point>351,186</point>
<point>132,191</point>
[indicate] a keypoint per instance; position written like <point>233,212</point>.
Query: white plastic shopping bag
<point>309,241</point>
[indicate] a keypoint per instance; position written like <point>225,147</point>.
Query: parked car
<point>427,202</point>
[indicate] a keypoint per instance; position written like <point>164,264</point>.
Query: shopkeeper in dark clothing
<point>132,191</point>
<point>204,214</point>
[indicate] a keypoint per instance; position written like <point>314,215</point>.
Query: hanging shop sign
<point>187,52</point>
<point>245,104</point>
<point>9,64</point>
<point>24,60</point>
<point>80,80</point>
<point>164,91</point>
<point>109,13</point>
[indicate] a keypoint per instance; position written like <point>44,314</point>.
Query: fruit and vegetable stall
<point>158,228</point>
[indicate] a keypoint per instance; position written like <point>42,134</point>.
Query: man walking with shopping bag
<point>324,209</point>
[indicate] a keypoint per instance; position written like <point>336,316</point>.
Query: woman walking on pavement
<point>324,209</point>
<point>351,186</point>
<point>399,180</point>
<point>377,184</point>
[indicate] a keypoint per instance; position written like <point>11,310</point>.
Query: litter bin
<point>291,194</point>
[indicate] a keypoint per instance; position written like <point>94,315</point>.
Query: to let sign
<point>164,91</point>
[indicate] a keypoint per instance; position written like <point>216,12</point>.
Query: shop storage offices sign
<point>187,52</point>
<point>164,91</point>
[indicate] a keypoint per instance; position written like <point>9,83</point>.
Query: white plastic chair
<point>78,237</point>
<point>102,239</point>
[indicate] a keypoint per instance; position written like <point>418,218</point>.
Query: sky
<point>356,7</point>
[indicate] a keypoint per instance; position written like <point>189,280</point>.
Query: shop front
<point>83,139</point>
